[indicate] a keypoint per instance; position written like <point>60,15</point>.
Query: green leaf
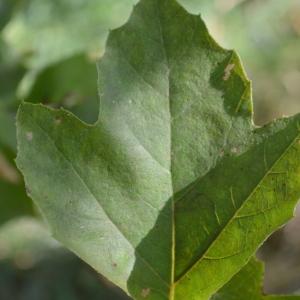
<point>7,129</point>
<point>25,237</point>
<point>70,27</point>
<point>13,201</point>
<point>65,27</point>
<point>62,85</point>
<point>6,10</point>
<point>248,283</point>
<point>10,74</point>
<point>170,193</point>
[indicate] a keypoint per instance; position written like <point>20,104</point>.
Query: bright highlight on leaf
<point>172,191</point>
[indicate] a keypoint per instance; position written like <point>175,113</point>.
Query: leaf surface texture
<point>173,189</point>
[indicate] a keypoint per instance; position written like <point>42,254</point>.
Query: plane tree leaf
<point>248,283</point>
<point>173,189</point>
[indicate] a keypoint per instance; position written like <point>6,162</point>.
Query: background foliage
<point>48,51</point>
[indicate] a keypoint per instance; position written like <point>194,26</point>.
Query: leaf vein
<point>75,171</point>
<point>238,210</point>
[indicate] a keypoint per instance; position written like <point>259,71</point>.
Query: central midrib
<point>173,283</point>
<point>238,210</point>
<point>163,44</point>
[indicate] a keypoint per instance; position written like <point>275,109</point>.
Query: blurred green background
<point>48,51</point>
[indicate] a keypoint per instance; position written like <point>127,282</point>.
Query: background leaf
<point>249,283</point>
<point>41,269</point>
<point>71,27</point>
<point>71,83</point>
<point>13,201</point>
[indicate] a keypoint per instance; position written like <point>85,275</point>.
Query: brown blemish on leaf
<point>57,121</point>
<point>23,260</point>
<point>228,71</point>
<point>234,150</point>
<point>72,99</point>
<point>145,292</point>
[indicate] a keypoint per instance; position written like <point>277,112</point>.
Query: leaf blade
<point>171,159</point>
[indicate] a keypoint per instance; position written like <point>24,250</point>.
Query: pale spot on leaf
<point>57,121</point>
<point>29,136</point>
<point>234,150</point>
<point>145,292</point>
<point>228,71</point>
